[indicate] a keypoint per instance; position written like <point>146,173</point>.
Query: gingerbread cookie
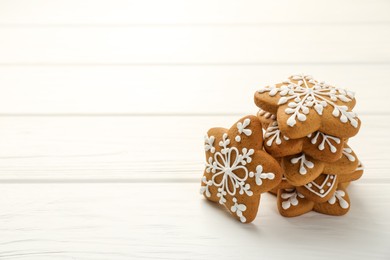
<point>342,179</point>
<point>318,145</point>
<point>279,145</point>
<point>237,169</point>
<point>322,193</point>
<point>292,203</point>
<point>355,175</point>
<point>345,165</point>
<point>337,205</point>
<point>323,147</point>
<point>301,169</point>
<point>303,106</point>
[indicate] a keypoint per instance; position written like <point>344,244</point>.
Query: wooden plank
<point>118,12</point>
<point>139,149</point>
<point>196,45</point>
<point>172,221</point>
<point>170,89</point>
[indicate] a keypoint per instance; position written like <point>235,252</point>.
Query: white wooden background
<point>103,107</point>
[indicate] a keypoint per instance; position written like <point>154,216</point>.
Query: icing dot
<point>332,177</point>
<point>328,184</point>
<point>238,138</point>
<point>309,185</point>
<point>322,191</point>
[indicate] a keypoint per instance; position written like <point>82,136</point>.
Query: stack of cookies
<point>296,148</point>
<point>307,125</point>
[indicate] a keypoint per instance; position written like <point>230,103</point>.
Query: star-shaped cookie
<point>237,169</point>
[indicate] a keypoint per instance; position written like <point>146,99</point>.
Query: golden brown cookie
<point>292,203</point>
<point>343,179</point>
<point>345,165</point>
<point>300,169</point>
<point>237,169</point>
<point>318,145</point>
<point>323,147</point>
<point>337,205</point>
<point>355,175</point>
<point>303,106</point>
<point>279,145</point>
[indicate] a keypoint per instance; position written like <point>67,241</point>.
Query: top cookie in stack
<point>303,105</point>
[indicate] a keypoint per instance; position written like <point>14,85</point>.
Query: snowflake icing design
<point>232,171</point>
<point>222,164</point>
<point>301,97</point>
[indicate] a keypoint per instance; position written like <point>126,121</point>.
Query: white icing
<point>301,98</point>
<point>339,196</point>
<point>238,209</point>
<point>274,134</point>
<point>242,129</point>
<point>326,139</point>
<point>266,115</point>
<point>304,163</point>
<point>330,179</point>
<point>291,198</point>
<point>360,167</point>
<point>209,143</point>
<point>204,189</point>
<point>259,175</point>
<point>347,152</point>
<point>261,112</point>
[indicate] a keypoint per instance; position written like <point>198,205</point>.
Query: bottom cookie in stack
<point>327,195</point>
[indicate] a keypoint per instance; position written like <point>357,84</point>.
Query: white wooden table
<point>103,108</point>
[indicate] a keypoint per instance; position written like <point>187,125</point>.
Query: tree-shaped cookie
<point>237,169</point>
